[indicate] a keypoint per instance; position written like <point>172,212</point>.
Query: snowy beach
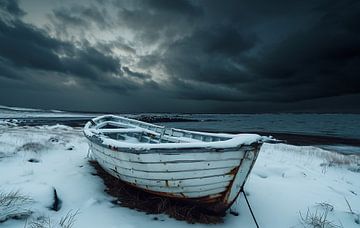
<point>180,114</point>
<point>288,187</point>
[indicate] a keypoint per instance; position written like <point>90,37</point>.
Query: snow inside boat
<point>205,168</point>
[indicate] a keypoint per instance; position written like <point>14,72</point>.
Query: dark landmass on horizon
<point>290,138</point>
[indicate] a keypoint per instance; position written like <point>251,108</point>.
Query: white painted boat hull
<point>205,174</point>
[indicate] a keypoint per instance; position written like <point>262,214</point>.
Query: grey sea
<point>335,132</point>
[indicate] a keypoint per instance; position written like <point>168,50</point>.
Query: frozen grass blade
<point>317,219</point>
<point>66,221</point>
<point>14,205</point>
<point>356,216</point>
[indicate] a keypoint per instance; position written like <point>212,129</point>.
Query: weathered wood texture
<point>191,173</point>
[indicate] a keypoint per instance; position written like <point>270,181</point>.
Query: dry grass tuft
<point>66,221</point>
<point>325,206</point>
<point>40,222</point>
<point>134,198</point>
<point>14,205</point>
<point>318,219</point>
<point>32,146</point>
<point>351,162</point>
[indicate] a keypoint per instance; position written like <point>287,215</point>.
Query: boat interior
<point>133,131</point>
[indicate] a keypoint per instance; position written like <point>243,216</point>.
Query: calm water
<point>339,125</point>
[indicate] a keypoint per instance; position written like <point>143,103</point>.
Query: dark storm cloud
<point>132,73</point>
<point>185,89</point>
<point>82,16</point>
<point>27,46</point>
<point>152,20</point>
<point>64,15</point>
<point>279,54</point>
<point>213,55</point>
<point>182,7</point>
<point>12,7</point>
<point>321,59</point>
<point>7,70</point>
<point>89,62</point>
<point>221,51</point>
<point>24,47</point>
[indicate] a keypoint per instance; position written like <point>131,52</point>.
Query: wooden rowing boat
<point>205,168</point>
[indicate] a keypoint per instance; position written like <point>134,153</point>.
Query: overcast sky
<point>181,56</point>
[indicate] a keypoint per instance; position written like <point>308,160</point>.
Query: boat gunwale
<point>170,150</point>
<point>218,146</point>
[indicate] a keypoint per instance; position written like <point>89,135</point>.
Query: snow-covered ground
<point>286,181</point>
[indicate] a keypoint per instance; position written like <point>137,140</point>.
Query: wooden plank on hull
<point>160,157</point>
<point>169,167</point>
<point>171,150</point>
<point>185,189</point>
<point>175,183</point>
<point>211,193</point>
<point>165,175</point>
<point>240,177</point>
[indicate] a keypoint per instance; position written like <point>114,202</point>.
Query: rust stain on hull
<point>130,196</point>
<point>216,203</point>
<point>233,172</point>
<point>209,203</point>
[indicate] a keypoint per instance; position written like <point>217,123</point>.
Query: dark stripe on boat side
<point>181,194</point>
<point>169,175</point>
<point>169,167</point>
<point>160,158</point>
<point>185,189</point>
<point>162,168</point>
<point>164,176</point>
<point>199,193</point>
<point>175,183</point>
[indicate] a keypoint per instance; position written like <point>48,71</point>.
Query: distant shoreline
<point>288,137</point>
